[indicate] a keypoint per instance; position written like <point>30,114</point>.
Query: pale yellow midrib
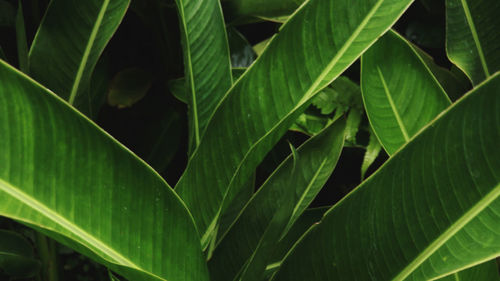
<point>393,107</point>
<point>86,53</point>
<point>64,223</point>
<point>473,31</point>
<point>304,99</point>
<point>450,232</point>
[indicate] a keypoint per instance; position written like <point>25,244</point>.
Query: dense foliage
<point>249,140</point>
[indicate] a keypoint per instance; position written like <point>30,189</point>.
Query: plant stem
<point>46,248</point>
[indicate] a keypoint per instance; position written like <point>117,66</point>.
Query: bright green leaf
<point>315,162</point>
<point>446,180</point>
<point>313,48</point>
<point>70,180</point>
<point>400,94</point>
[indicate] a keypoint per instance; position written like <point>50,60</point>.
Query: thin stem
<point>46,249</point>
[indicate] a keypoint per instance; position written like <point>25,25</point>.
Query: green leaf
<point>129,86</point>
<point>455,85</point>
<point>372,150</point>
<point>245,9</point>
<point>68,44</point>
<point>179,88</point>
<point>341,95</point>
<point>78,185</point>
<point>22,44</point>
<point>242,54</point>
<point>472,38</point>
<point>400,94</point>
<point>308,218</point>
<point>16,256</point>
<point>443,182</point>
<point>316,161</point>
<point>303,58</point>
<point>487,271</point>
<point>261,46</point>
<point>207,65</point>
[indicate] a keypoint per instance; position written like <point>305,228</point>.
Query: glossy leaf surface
<point>68,44</point>
<point>207,65</point>
<point>404,213</point>
<point>472,38</point>
<point>70,180</point>
<point>319,42</point>
<point>315,162</point>
<point>400,94</point>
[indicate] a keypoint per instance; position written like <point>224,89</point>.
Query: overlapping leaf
<point>68,44</point>
<point>487,271</point>
<point>472,38</point>
<point>444,182</point>
<point>207,65</point>
<point>400,94</point>
<point>315,162</point>
<point>63,176</point>
<point>320,41</point>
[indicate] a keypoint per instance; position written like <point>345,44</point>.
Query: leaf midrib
<point>450,232</point>
<point>475,36</point>
<point>86,53</point>
<point>393,106</point>
<point>307,95</point>
<point>63,222</point>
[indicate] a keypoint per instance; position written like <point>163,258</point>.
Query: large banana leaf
<point>487,271</point>
<point>207,64</point>
<point>68,43</point>
<point>472,38</point>
<point>445,181</point>
<point>400,94</point>
<point>315,162</point>
<point>320,41</point>
<point>63,176</point>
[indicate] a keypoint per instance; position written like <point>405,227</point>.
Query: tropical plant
<point>338,75</point>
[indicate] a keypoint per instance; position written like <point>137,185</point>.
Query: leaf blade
<point>89,196</point>
<point>295,80</point>
<point>64,58</point>
<point>387,239</point>
<point>403,86</point>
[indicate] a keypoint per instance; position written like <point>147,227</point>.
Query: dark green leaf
<point>129,86</point>
<point>16,255</point>
<point>68,44</point>
<point>207,65</point>
<point>442,185</point>
<point>22,44</point>
<point>242,54</point>
<point>487,271</point>
<point>259,220</point>
<point>472,38</point>
<point>313,48</point>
